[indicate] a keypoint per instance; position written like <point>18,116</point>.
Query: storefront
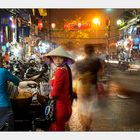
<point>130,41</point>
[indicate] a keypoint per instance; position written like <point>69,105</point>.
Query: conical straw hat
<point>59,51</point>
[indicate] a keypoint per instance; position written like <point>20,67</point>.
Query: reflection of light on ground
<point>112,61</point>
<point>114,88</point>
<point>123,112</point>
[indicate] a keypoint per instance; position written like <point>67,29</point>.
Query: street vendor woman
<point>61,82</point>
<point>6,113</point>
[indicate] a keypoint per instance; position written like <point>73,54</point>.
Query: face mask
<point>61,64</point>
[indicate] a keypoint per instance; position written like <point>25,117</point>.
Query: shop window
<point>138,31</point>
<point>24,31</point>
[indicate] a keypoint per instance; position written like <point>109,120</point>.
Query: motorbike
<point>30,108</point>
<point>123,65</point>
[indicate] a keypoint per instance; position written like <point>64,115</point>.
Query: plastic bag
<point>100,89</point>
<point>49,110</point>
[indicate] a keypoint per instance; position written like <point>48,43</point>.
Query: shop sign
<point>5,21</point>
<point>77,26</point>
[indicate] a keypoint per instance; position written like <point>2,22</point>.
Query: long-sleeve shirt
<point>60,85</point>
<point>61,92</point>
<point>5,76</point>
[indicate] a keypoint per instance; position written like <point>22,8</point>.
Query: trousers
<point>6,119</point>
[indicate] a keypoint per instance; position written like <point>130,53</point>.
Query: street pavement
<point>119,109</point>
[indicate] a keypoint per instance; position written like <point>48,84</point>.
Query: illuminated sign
<point>5,21</point>
<point>77,26</point>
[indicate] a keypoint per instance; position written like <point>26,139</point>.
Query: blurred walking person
<point>88,71</point>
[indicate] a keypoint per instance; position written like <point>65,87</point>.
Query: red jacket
<point>60,90</point>
<point>60,85</point>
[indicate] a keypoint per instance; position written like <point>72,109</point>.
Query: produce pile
<point>23,95</point>
<point>18,93</point>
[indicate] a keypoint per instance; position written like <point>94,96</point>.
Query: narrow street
<point>119,109</point>
<point>32,39</point>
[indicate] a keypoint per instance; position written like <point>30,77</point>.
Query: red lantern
<point>66,26</point>
<point>40,25</point>
<point>79,25</point>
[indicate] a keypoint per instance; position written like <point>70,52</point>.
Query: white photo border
<point>69,4</point>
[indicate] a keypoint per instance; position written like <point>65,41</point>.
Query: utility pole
<point>108,35</point>
<point>49,22</point>
<point>108,10</point>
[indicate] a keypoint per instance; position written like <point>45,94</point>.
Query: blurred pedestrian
<point>61,83</point>
<point>88,71</point>
<point>6,57</point>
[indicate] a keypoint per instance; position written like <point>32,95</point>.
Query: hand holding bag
<point>49,110</point>
<point>48,107</point>
<point>100,89</point>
